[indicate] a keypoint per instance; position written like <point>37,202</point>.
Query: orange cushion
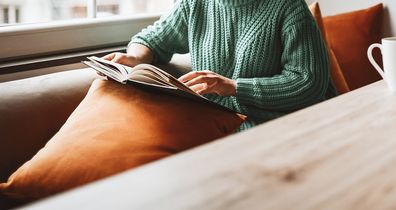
<point>115,128</point>
<point>349,36</point>
<point>336,74</point>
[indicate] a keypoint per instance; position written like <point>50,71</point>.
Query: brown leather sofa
<point>32,110</point>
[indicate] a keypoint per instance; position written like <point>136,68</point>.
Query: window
<point>128,7</point>
<point>9,14</point>
<point>44,29</point>
<point>38,11</point>
<point>27,11</point>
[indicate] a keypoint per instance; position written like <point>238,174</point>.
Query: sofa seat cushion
<point>115,128</point>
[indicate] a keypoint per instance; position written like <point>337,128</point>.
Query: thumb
<point>117,58</point>
<point>109,57</point>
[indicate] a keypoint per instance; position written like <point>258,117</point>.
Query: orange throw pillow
<point>115,128</point>
<point>336,74</point>
<point>349,35</point>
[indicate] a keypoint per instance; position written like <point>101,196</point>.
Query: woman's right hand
<point>122,58</point>
<point>137,54</point>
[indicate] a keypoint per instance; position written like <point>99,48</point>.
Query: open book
<point>145,75</point>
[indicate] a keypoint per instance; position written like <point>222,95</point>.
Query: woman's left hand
<point>204,82</point>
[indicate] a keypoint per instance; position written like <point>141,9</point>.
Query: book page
<point>150,75</point>
<point>142,73</point>
<point>140,78</point>
<point>147,76</point>
<point>108,72</point>
<point>121,69</point>
<point>160,74</point>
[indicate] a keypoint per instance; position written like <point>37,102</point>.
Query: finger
<point>208,81</point>
<point>109,57</point>
<point>188,77</point>
<point>191,75</point>
<point>118,58</point>
<point>198,87</point>
<point>202,89</point>
<point>123,59</point>
<point>197,80</point>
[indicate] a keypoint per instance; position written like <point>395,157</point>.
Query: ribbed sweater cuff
<point>244,90</point>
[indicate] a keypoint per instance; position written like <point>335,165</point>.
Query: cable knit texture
<point>272,48</point>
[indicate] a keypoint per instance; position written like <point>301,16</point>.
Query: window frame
<point>26,47</point>
<point>43,39</point>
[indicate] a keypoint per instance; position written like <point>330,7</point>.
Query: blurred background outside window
<point>38,11</point>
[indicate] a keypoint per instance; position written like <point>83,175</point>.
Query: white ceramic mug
<point>388,50</point>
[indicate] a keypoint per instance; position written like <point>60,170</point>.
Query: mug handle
<point>373,62</point>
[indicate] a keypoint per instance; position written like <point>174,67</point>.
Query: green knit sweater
<point>272,48</point>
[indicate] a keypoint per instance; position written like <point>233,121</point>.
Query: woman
<point>262,58</point>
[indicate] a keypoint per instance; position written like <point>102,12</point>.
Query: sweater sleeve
<point>168,35</point>
<point>304,75</point>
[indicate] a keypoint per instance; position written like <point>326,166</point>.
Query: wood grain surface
<point>340,154</point>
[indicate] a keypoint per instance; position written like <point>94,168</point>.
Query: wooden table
<point>340,154</point>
